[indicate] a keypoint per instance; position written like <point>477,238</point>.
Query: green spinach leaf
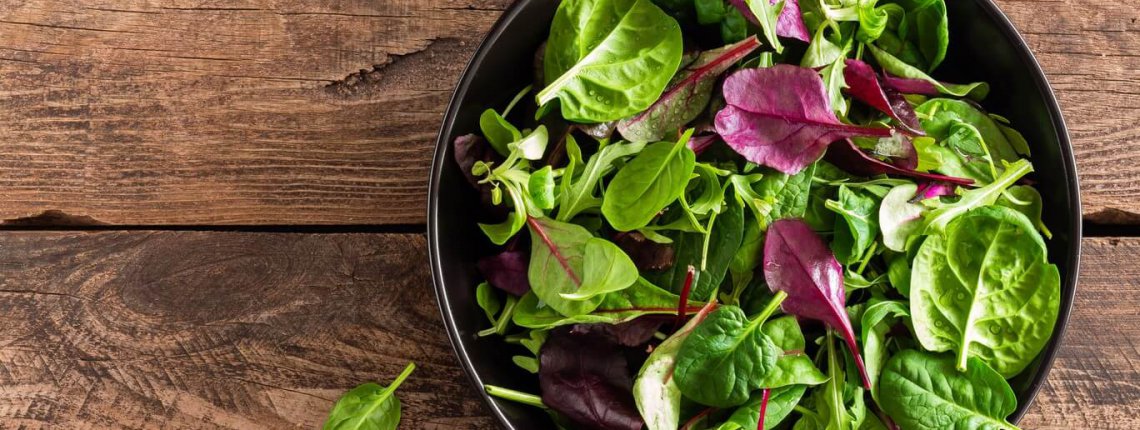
<point>877,322</point>
<point>937,219</point>
<point>654,179</point>
<point>857,225</point>
<point>781,402</point>
<point>609,59</point>
<point>1027,200</point>
<point>368,407</point>
<point>985,288</point>
<point>793,366</point>
<point>924,391</point>
<point>725,358</point>
<point>607,269</point>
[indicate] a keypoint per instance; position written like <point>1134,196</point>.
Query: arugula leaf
<point>579,195</point>
<point>609,59</point>
<point>924,391</point>
<point>937,219</point>
<point>369,406</point>
<point>654,179</point>
<point>857,225</point>
<point>711,262</point>
<point>985,288</point>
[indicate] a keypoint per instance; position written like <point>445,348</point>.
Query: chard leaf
<point>850,158</point>
<point>655,391</point>
<point>609,59</point>
<point>924,391</point>
<point>899,218</point>
<point>557,263</point>
<point>586,378</point>
<point>506,271</point>
<point>687,97</point>
<point>607,269</point>
<point>780,117</point>
<point>985,288</point>
<point>865,86</point>
<point>654,179</point>
<point>797,262</point>
<point>789,24</point>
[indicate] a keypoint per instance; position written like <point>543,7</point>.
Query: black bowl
<point>984,46</point>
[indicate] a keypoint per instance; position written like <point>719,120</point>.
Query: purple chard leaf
<point>865,85</point>
<point>687,97</point>
<point>930,190</point>
<point>586,378</point>
<point>798,263</point>
<point>851,159</point>
<point>781,117</point>
<point>790,24</point>
<point>506,271</point>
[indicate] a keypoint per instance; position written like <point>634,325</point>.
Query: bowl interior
<point>984,46</point>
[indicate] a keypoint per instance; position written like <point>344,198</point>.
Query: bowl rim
<point>1005,26</point>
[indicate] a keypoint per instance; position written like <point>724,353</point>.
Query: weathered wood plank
<point>219,330</point>
<point>246,330</point>
<point>182,112</point>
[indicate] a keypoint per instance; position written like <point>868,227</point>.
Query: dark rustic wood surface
<point>289,112</point>
<point>179,112</point>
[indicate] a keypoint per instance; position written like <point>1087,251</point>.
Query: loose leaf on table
<point>578,195</point>
<point>898,68</point>
<point>924,391</point>
<point>899,217</point>
<point>864,85</point>
<point>586,378</point>
<point>938,218</point>
<point>687,97</point>
<point>780,117</point>
<point>723,243</point>
<point>797,262</point>
<point>850,158</point>
<point>609,59</point>
<point>1028,201</point>
<point>878,320</point>
<point>655,391</point>
<point>725,358</point>
<point>857,225</point>
<point>654,179</point>
<point>368,407</point>
<point>641,299</point>
<point>781,402</point>
<point>570,269</point>
<point>506,271</point>
<point>985,288</point>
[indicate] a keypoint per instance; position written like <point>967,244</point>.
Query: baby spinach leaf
<point>781,117</point>
<point>654,179</point>
<point>541,188</point>
<point>877,322</point>
<point>857,225</point>
<point>899,218</point>
<point>797,262</point>
<point>725,358</point>
<point>781,402</point>
<point>640,299</point>
<point>369,406</point>
<point>985,288</point>
<point>687,97</point>
<point>609,59</point>
<point>607,269</point>
<point>498,131</point>
<point>1027,200</point>
<point>928,28</point>
<point>579,195</point>
<point>793,366</point>
<point>898,271</point>
<point>937,219</point>
<point>896,67</point>
<point>655,391</point>
<point>586,378</point>
<point>924,391</point>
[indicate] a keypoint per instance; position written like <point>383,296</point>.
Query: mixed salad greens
<point>748,214</point>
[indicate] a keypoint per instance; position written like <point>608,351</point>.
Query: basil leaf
<point>654,179</point>
<point>369,406</point>
<point>985,288</point>
<point>924,391</point>
<point>609,59</point>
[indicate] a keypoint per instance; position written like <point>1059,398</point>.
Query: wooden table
<point>214,208</point>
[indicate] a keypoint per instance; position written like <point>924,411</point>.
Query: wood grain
<point>189,112</point>
<point>146,330</point>
<point>247,330</point>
